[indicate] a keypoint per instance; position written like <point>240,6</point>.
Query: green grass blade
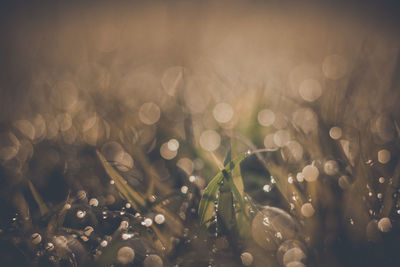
<point>128,192</point>
<point>206,206</point>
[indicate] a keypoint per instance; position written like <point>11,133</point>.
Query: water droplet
<point>310,90</point>
<point>344,182</point>
<point>331,167</point>
<point>247,258</point>
<point>223,112</point>
<point>153,260</point>
<point>49,246</point>
<point>210,140</point>
<point>277,221</point>
<point>310,173</point>
<point>147,222</point>
<point>88,230</point>
<point>36,238</point>
<point>307,210</point>
<point>125,255</point>
<point>300,177</point>
<point>384,225</point>
<point>335,133</point>
<point>159,219</point>
<point>93,202</point>
<point>173,144</point>
<point>266,117</point>
<point>384,156</point>
<point>267,188</point>
<point>149,113</point>
<point>184,189</point>
<point>80,214</point>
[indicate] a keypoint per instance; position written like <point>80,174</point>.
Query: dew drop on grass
<point>384,156</point>
<point>267,188</point>
<point>281,138</point>
<point>93,202</point>
<point>310,90</point>
<point>294,254</point>
<point>384,225</point>
<point>125,162</point>
<point>300,177</point>
<point>335,133</point>
<point>247,258</point>
<point>149,113</point>
<point>266,117</point>
<point>153,260</point>
<point>49,246</point>
<point>264,230</point>
<point>269,142</point>
<point>310,173</point>
<point>166,153</point>
<point>184,189</point>
<point>173,144</point>
<point>210,140</point>
<point>36,238</point>
<point>159,219</point>
<point>88,230</point>
<point>147,222</point>
<point>291,251</point>
<point>80,214</point>
<point>223,112</point>
<point>331,167</point>
<point>125,255</point>
<point>343,182</point>
<point>307,210</point>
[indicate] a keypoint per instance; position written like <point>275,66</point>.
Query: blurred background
<point>160,89</point>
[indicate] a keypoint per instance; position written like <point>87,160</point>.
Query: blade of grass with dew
<point>131,195</point>
<point>206,206</point>
<point>136,199</point>
<point>226,212</point>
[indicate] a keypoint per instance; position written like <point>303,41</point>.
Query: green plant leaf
<point>206,207</point>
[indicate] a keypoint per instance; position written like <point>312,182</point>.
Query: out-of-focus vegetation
<point>172,134</point>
